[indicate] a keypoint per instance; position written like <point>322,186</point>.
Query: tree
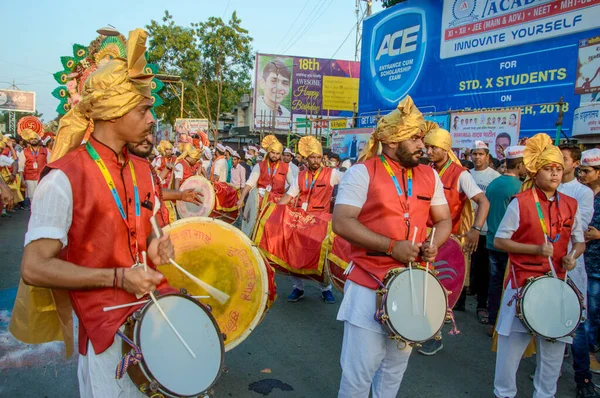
<point>214,60</point>
<point>391,3</point>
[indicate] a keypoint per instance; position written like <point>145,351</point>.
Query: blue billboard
<point>468,55</point>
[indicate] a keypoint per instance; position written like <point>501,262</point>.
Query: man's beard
<point>406,158</point>
<point>138,150</point>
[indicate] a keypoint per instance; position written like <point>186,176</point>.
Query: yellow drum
<point>222,256</point>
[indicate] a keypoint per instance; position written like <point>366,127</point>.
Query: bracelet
<point>476,228</point>
<point>390,247</point>
<point>115,280</point>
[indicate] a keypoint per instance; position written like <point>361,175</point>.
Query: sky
<point>37,33</point>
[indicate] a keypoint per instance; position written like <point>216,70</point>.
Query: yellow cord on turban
<point>309,145</point>
<point>271,144</point>
<point>397,126</point>
<point>29,134</point>
<point>539,152</point>
<point>163,146</point>
<point>191,151</point>
<point>109,93</point>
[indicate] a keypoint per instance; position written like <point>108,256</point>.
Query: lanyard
<point>404,205</point>
<point>312,184</point>
<point>274,170</point>
<point>113,190</point>
<point>543,219</point>
<point>443,170</point>
<point>34,153</point>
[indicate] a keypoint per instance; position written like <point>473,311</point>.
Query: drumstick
<point>159,308</point>
<point>550,260</point>
<point>116,307</point>
<point>410,278</point>
<point>220,296</point>
<point>425,279</point>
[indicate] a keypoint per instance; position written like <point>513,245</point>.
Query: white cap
<point>262,151</point>
<point>207,153</point>
<point>288,150</point>
<point>221,147</point>
<point>591,157</point>
<point>229,149</point>
<point>236,155</point>
<point>480,145</point>
<point>514,152</point>
<point>252,148</point>
<point>346,163</point>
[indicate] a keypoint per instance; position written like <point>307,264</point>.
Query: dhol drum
<point>226,208</point>
<point>222,256</point>
<point>411,305</point>
<point>338,259</point>
<point>250,213</point>
<point>158,363</point>
<point>294,241</point>
<point>205,188</point>
<point>550,307</point>
<point>450,267</point>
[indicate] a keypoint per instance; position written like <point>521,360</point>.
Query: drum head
<point>406,315</point>
<point>250,212</point>
<point>450,263</point>
<point>222,256</point>
<point>202,185</point>
<point>550,307</point>
<point>167,360</point>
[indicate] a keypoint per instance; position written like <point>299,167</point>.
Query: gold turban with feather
<point>539,152</point>
<point>309,145</point>
<point>163,146</point>
<point>271,144</point>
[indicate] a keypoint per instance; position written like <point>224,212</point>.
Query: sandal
<point>482,316</point>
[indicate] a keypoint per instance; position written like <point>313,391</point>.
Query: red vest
<point>456,200</point>
<point>530,232</point>
<point>30,173</point>
<point>163,164</point>
<point>319,199</point>
<point>99,238</point>
<point>277,180</point>
<point>7,152</point>
<point>382,213</point>
<point>188,170</point>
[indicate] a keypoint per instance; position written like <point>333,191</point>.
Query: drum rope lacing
<point>132,358</point>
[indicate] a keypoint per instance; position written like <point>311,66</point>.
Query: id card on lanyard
<point>312,184</point>
<point>271,176</point>
<point>115,194</point>
<point>35,155</point>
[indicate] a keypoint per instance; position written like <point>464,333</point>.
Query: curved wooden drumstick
<point>220,296</point>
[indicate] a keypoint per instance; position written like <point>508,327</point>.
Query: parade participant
<point>228,155</point>
<point>251,155</point>
<point>36,158</point>
<point>187,165</point>
<point>6,198</point>
<point>69,249</point>
<point>206,161</point>
<point>334,161</point>
<point>238,172</point>
<point>313,189</point>
<point>218,167</point>
<point>9,173</point>
<point>271,175</point>
<point>459,187</point>
<point>585,202</point>
<point>261,154</point>
<point>287,157</point>
<point>380,202</point>
<point>531,239</point>
<point>165,163</point>
<point>499,193</point>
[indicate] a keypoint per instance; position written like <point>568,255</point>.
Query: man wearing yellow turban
<point>36,158</point>
<point>165,163</point>
<point>9,173</point>
<point>7,200</point>
<point>536,231</point>
<point>383,205</point>
<point>90,226</point>
<point>187,164</point>
<point>271,176</point>
<point>313,190</point>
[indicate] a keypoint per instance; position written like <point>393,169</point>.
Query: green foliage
<point>213,59</point>
<point>391,3</point>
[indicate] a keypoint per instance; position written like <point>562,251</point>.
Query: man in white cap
<point>206,160</point>
<point>499,193</point>
<point>218,168</point>
<point>287,157</point>
<point>238,173</point>
<point>251,155</point>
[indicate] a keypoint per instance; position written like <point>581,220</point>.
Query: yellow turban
<point>309,145</point>
<point>539,152</point>
<point>163,146</point>
<point>271,144</point>
<point>191,151</point>
<point>29,134</point>
<point>3,141</point>
<point>437,136</point>
<point>109,93</point>
<point>397,126</point>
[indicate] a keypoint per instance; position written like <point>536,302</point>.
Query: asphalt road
<point>293,353</point>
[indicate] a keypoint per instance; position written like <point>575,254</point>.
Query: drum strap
<point>132,358</point>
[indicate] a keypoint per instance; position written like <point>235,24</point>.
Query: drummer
<point>218,168</point>
<point>165,163</point>
<point>523,233</point>
<point>92,256</point>
<point>271,176</point>
<point>380,202</point>
<point>187,165</point>
<point>459,187</point>
<point>313,189</point>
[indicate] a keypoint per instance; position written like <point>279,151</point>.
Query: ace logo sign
<point>397,52</point>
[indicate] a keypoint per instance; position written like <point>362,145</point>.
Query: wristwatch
<point>476,228</point>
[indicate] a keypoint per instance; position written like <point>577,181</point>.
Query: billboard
<point>348,143</point>
<point>467,55</point>
<point>587,120</point>
<point>588,66</point>
<point>18,101</point>
<point>289,91</point>
<point>185,127</point>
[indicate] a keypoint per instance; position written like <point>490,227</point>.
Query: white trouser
<point>31,185</point>
<point>549,359</point>
<point>299,284</point>
<point>371,359</point>
<point>96,374</point>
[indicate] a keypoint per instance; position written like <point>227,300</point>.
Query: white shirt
<point>483,178</point>
<point>255,174</point>
<point>6,161</point>
<point>466,184</point>
<point>52,209</point>
<point>267,111</point>
<point>336,177</point>
<point>21,158</point>
<point>221,169</point>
